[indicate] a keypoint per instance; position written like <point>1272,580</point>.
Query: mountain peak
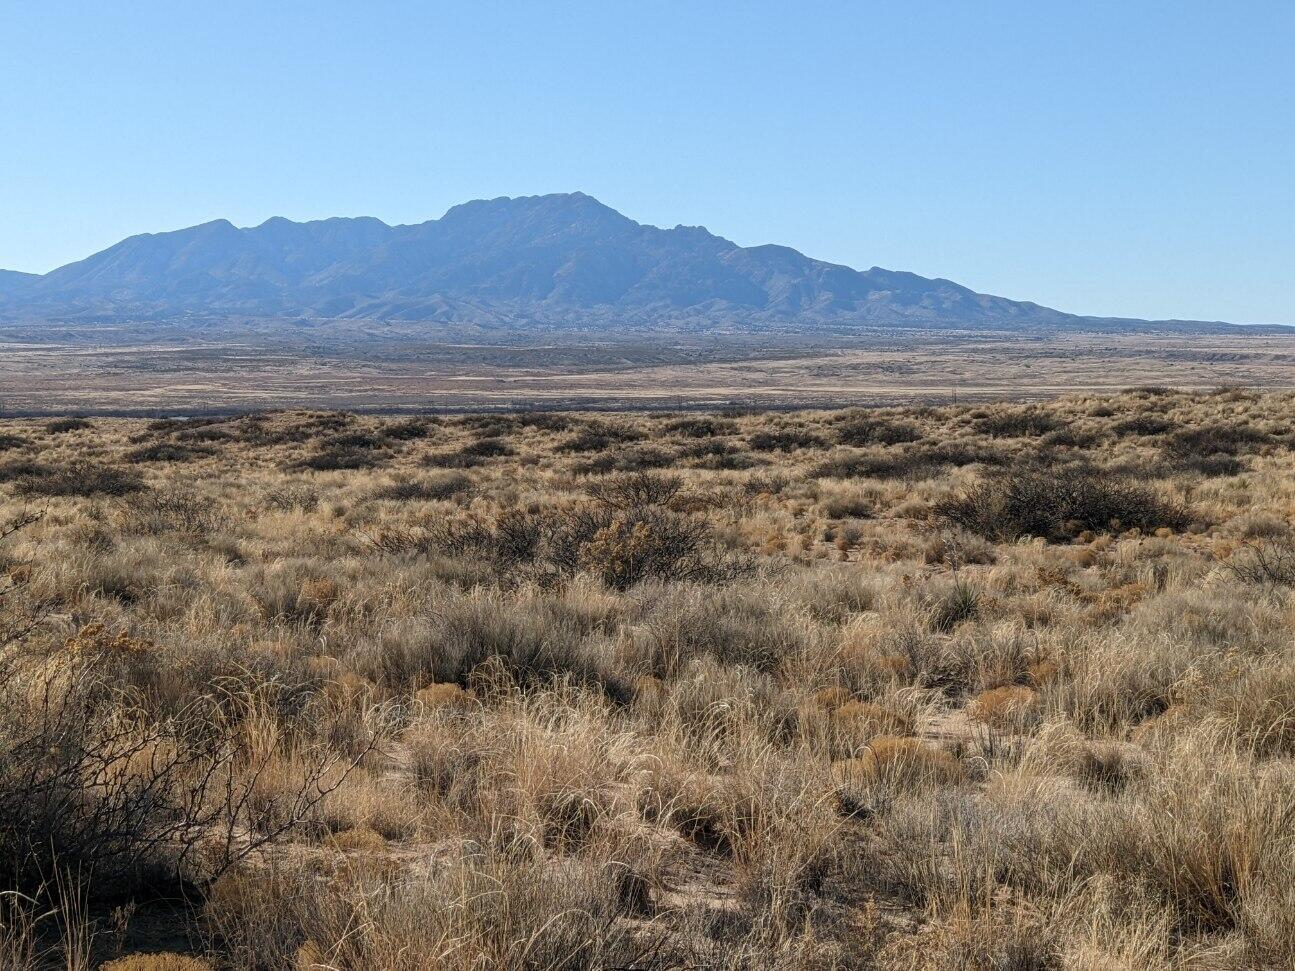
<point>563,259</point>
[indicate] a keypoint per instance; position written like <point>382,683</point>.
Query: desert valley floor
<point>991,685</point>
<point>88,372</point>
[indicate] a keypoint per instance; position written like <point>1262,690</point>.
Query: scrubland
<point>991,687</point>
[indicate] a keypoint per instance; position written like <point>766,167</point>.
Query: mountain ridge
<point>557,260</point>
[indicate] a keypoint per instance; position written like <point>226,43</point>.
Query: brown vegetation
<point>992,687</point>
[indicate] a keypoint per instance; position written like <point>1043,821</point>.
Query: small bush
<point>863,430</point>
<point>77,479</point>
<point>917,462</point>
<point>438,487</point>
<point>599,438</point>
<point>1143,424</point>
<point>340,458</point>
<point>1203,441</point>
<point>1058,504</point>
<point>488,448</point>
<point>60,425</point>
<point>1018,423</point>
<point>409,430</point>
<point>1265,562</point>
<point>163,961</point>
<point>701,427</point>
<point>784,440</point>
<point>638,459</point>
<point>168,452</point>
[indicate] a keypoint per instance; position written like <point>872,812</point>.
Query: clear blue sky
<point>1114,158</point>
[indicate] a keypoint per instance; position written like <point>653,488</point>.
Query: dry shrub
<point>1018,423</point>
<point>157,962</point>
<point>1005,707</point>
<point>1265,562</point>
<point>430,488</point>
<point>172,452</point>
<point>485,910</point>
<point>868,719</point>
<point>861,430</point>
<point>358,839</point>
<point>59,426</point>
<point>899,761</point>
<point>784,440</point>
<point>1058,504</point>
<point>445,696</point>
<point>76,479</point>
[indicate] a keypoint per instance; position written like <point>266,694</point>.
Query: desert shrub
<point>91,783</point>
<point>637,459</point>
<point>356,440</point>
<point>1018,423</point>
<point>168,452</point>
<point>472,454</point>
<point>1143,424</point>
<point>701,426</point>
<point>20,469</point>
<point>60,425</point>
<point>626,547</point>
<point>346,451</point>
<point>411,429</point>
<point>1070,437</point>
<point>160,961</point>
<point>339,459</point>
<point>1267,561</point>
<point>624,536</point>
<point>9,442</point>
<point>1057,504</point>
<point>921,461</point>
<point>953,605</point>
<point>489,425</point>
<point>488,448</point>
<point>717,454</point>
<point>899,761</point>
<point>784,440</point>
<point>1205,441</point>
<point>635,490</point>
<point>210,431</point>
<point>731,626</point>
<point>294,429</point>
<point>842,505</point>
<point>860,430</point>
<point>549,421</point>
<point>76,479</point>
<point>534,640</point>
<point>1212,465</point>
<point>437,487</point>
<point>599,438</point>
<point>295,496</point>
<point>499,908</point>
<point>1005,707</point>
<point>175,511</point>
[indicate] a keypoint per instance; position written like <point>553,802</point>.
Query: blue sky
<point>1129,158</point>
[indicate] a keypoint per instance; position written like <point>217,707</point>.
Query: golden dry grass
<point>992,686</point>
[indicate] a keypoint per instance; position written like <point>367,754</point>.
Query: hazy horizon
<point>1100,161</point>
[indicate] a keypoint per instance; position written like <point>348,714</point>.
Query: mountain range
<point>559,261</point>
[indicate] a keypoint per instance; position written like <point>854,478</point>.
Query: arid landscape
<point>986,685</point>
<point>88,371</point>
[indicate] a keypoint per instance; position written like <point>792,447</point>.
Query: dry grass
<point>965,687</point>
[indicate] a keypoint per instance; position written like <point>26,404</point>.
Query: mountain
<point>555,260</point>
<point>13,282</point>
